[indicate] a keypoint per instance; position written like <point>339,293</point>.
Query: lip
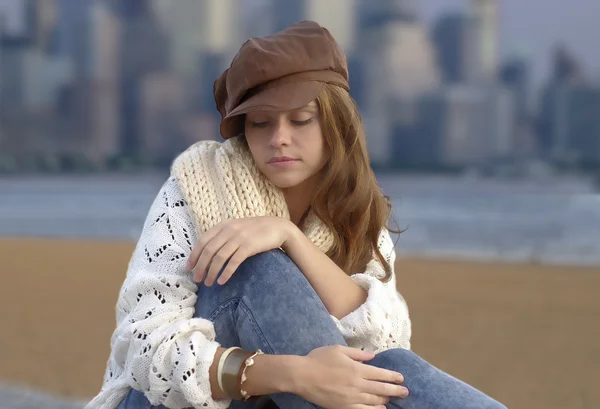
<point>281,159</point>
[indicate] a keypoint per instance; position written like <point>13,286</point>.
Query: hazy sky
<point>530,25</point>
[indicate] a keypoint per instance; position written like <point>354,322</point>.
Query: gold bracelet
<point>247,363</point>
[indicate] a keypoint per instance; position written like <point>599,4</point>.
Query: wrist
<point>293,234</point>
<point>272,374</point>
<point>293,374</point>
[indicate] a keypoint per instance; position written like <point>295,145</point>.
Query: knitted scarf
<point>220,181</point>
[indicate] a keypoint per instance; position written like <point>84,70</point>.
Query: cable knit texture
<point>220,181</point>
<point>158,347</point>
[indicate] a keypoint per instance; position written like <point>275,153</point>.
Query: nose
<point>282,134</point>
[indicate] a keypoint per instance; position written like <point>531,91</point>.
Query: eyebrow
<point>308,108</point>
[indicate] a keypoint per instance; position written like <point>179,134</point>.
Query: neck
<point>298,202</point>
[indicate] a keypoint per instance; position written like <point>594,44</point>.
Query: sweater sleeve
<point>382,322</point>
<point>158,347</point>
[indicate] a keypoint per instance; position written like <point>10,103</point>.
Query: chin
<point>285,182</point>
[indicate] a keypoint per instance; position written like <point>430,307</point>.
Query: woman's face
<point>288,147</point>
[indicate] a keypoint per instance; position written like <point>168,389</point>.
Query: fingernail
<point>400,379</point>
<point>405,393</point>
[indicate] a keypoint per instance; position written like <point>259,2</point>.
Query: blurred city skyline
<point>573,24</point>
<point>478,85</point>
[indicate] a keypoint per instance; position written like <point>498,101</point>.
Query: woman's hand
<point>334,377</point>
<point>233,241</point>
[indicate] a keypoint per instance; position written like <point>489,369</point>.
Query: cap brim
<point>283,97</point>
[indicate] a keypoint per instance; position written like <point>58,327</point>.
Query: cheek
<point>255,148</point>
<point>318,152</point>
<point>321,150</point>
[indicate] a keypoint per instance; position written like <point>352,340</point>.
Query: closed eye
<point>259,124</point>
<point>301,123</point>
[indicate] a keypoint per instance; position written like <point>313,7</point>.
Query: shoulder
<point>192,155</point>
<point>208,153</point>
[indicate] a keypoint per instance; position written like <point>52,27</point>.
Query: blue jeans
<point>269,304</point>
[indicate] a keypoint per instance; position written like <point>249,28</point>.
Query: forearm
<point>339,293</point>
<point>269,374</point>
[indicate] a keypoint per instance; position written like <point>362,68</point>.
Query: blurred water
<point>13,397</point>
<point>552,221</point>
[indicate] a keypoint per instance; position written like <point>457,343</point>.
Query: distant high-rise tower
<point>73,34</point>
<point>454,36</point>
<point>335,15</point>
<point>515,75</point>
<point>392,35</point>
<point>486,14</point>
<point>103,83</point>
<point>377,12</point>
<point>143,50</point>
<point>197,27</point>
<point>40,20</point>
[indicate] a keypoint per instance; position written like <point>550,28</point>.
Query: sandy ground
<point>528,335</point>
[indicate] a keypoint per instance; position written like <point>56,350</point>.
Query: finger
<point>374,373</point>
<point>192,260</point>
<point>357,354</point>
<point>373,400</point>
<point>219,261</point>
<point>234,262</point>
<point>208,253</point>
<point>385,389</point>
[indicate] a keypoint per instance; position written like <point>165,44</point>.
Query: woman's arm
<point>340,294</point>
<point>370,314</point>
<point>158,347</point>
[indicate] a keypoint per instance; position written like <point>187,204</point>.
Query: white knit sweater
<point>158,348</point>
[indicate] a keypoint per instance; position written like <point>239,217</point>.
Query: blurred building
<point>338,16</point>
<point>566,71</point>
<point>204,36</point>
<point>197,27</point>
<point>575,124</point>
<point>144,51</point>
<point>30,82</point>
<point>515,74</point>
<point>41,16</point>
<point>40,78</point>
<point>486,16</point>
<point>104,84</point>
<point>455,40</point>
<point>73,34</point>
<point>162,110</point>
<point>30,75</point>
<point>398,66</point>
<point>466,43</point>
<point>459,125</point>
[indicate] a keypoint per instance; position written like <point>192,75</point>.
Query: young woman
<point>265,268</point>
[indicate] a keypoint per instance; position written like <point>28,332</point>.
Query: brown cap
<point>281,72</point>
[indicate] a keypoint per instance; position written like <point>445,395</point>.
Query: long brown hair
<point>348,199</point>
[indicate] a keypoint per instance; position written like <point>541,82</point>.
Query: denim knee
<point>268,265</point>
<point>397,358</point>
